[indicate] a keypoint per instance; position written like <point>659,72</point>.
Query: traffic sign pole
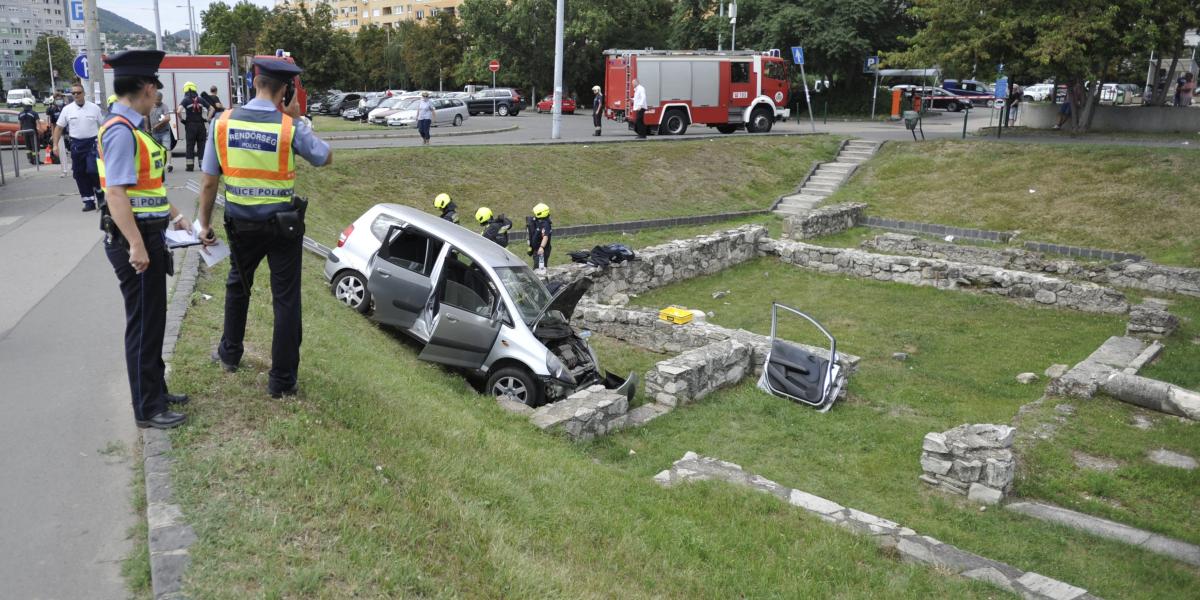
<point>798,58</point>
<point>493,66</point>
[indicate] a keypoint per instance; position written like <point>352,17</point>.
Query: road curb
<point>169,536</point>
<point>392,136</point>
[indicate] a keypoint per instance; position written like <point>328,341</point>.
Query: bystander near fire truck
<point>728,90</point>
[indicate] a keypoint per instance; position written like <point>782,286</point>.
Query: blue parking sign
<point>871,64</point>
<point>798,54</point>
<point>77,10</point>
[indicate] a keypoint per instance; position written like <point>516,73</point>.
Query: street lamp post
<point>191,25</point>
<point>556,108</point>
<point>733,22</point>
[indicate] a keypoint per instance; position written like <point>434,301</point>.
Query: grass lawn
<point>606,182</point>
<point>389,477</point>
<point>325,124</point>
<point>965,351</point>
<point>1141,200</point>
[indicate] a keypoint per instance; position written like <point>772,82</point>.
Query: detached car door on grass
<point>468,315</point>
<point>400,275</point>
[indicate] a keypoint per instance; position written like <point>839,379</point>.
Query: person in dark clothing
<point>194,111</point>
<point>540,232</point>
<point>213,101</point>
<point>447,206</point>
<point>495,227</point>
<point>28,119</point>
<point>597,108</point>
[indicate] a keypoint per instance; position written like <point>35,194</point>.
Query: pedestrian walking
<point>158,125</point>
<point>1186,89</point>
<point>540,231</point>
<point>495,227</point>
<point>254,152</point>
<point>82,119</point>
<point>449,209</point>
<point>27,120</point>
<point>639,109</point>
<point>194,112</point>
<point>214,101</point>
<point>425,115</point>
<point>136,214</point>
<point>597,108</point>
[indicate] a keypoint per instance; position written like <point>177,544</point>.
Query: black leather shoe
<point>277,394</point>
<point>166,419</point>
<point>228,368</point>
<point>176,398</point>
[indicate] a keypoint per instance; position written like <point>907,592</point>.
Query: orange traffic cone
<point>49,157</point>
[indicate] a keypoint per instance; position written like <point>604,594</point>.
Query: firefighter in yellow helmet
<point>540,231</point>
<point>495,227</point>
<point>194,111</point>
<point>449,209</point>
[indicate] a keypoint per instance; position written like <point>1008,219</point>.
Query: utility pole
<point>191,27</point>
<point>720,30</point>
<point>157,29</point>
<point>50,59</point>
<point>733,22</point>
<point>556,109</point>
<point>95,62</point>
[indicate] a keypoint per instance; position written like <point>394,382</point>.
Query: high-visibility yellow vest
<point>258,165</point>
<point>148,197</point>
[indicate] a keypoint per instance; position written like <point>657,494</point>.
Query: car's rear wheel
<point>457,120</point>
<point>516,383</point>
<point>350,288</point>
<point>502,110</point>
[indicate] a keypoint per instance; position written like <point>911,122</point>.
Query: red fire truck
<point>728,90</point>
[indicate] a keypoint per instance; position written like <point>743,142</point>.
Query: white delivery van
<point>17,97</point>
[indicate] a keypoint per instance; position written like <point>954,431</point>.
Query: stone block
<point>933,464</point>
<point>983,494</point>
<point>934,442</point>
<point>1045,587</point>
<point>1055,371</point>
<point>1027,378</point>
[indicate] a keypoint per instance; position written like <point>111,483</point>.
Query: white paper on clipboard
<point>211,254</point>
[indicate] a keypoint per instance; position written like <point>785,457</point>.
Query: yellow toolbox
<point>675,314</point>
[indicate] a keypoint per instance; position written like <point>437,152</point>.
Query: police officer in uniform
<point>254,151</point>
<point>136,213</point>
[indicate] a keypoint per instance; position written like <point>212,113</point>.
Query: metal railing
<point>15,140</point>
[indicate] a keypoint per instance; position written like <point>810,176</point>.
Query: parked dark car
<point>338,103</point>
<point>940,98</point>
<point>504,101</point>
<point>976,97</point>
<point>319,100</point>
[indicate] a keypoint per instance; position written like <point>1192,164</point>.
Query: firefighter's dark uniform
<point>496,230</point>
<point>28,119</point>
<point>194,110</point>
<point>254,151</point>
<point>129,157</point>
<point>450,213</point>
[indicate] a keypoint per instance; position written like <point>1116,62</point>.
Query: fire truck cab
<point>728,90</point>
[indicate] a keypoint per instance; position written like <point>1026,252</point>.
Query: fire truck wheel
<point>727,128</point>
<point>674,123</point>
<point>760,121</point>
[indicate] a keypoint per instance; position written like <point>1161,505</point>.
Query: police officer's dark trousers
<point>83,167</point>
<point>145,322</point>
<point>195,134</point>
<point>250,243</point>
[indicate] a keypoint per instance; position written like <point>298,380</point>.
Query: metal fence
<point>14,145</point>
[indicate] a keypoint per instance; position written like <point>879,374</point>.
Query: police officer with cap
<point>136,214</point>
<point>253,149</point>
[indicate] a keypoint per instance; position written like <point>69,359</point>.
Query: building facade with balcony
<point>21,22</point>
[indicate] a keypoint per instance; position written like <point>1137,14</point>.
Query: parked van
<point>17,97</point>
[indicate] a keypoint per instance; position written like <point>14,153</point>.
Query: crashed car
<point>469,302</point>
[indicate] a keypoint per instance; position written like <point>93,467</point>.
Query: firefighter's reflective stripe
<point>147,197</point>
<point>258,165</point>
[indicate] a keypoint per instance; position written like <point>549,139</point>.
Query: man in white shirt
<point>82,121</point>
<point>639,110</point>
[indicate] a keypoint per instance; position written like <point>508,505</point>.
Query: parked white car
<point>452,111</point>
<point>389,107</point>
<point>1038,92</point>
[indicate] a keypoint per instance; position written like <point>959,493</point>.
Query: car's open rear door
<point>798,374</point>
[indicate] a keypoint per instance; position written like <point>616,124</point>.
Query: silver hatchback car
<point>471,303</point>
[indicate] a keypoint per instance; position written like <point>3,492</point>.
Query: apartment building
<point>21,22</point>
<point>352,14</point>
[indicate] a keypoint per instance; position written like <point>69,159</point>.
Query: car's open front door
<point>798,374</point>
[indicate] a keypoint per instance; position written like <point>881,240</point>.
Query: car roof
<point>477,247</point>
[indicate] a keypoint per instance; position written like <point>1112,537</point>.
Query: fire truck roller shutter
<point>648,74</point>
<point>706,83</point>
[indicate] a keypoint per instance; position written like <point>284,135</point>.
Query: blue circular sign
<point>81,67</point>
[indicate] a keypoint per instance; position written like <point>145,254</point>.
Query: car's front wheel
<point>457,120</point>
<point>517,384</point>
<point>350,288</point>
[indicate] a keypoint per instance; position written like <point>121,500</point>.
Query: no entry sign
<point>494,66</point>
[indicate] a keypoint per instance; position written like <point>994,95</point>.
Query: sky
<point>171,17</point>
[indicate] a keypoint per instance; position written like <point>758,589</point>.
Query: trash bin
<point>910,119</point>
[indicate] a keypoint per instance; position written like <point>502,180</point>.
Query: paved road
<point>66,429</point>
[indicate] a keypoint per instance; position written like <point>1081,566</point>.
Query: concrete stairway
<point>827,178</point>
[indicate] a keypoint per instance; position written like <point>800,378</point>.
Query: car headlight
<point>557,370</point>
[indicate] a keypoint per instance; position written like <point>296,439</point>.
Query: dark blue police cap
<point>136,63</point>
<point>276,68</point>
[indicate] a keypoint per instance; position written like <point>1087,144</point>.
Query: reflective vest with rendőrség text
<point>147,197</point>
<point>258,165</point>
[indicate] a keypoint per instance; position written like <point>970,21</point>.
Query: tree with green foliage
<point>240,25</point>
<point>326,54</point>
<point>36,70</point>
<point>432,52</point>
<point>371,53</point>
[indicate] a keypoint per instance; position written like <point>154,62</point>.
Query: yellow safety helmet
<point>541,211</point>
<point>442,200</point>
<point>483,215</point>
<point>112,99</point>
<point>189,87</point>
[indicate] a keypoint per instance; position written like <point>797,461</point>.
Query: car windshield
<point>525,289</point>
